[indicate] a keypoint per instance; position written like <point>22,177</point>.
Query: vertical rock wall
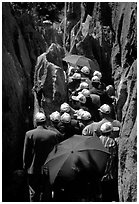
<point>16,97</point>
<point>124,66</point>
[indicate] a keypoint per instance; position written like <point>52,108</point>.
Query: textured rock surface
<point>35,41</point>
<point>52,78</point>
<point>16,95</point>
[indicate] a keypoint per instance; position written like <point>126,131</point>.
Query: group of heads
<point>96,78</point>
<point>65,114</point>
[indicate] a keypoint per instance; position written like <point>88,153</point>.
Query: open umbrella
<point>81,61</point>
<point>75,154</point>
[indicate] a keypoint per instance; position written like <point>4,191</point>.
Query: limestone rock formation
<point>35,41</point>
<point>50,83</point>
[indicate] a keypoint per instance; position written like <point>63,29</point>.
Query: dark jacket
<point>37,145</point>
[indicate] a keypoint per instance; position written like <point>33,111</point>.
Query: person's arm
<point>27,152</point>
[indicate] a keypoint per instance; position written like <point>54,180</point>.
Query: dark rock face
<point>124,67</point>
<point>16,84</point>
<point>35,42</point>
<point>16,95</point>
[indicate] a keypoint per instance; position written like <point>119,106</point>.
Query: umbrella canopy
<point>75,154</point>
<point>81,61</point>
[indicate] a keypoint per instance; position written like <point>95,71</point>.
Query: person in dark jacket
<point>69,126</point>
<point>109,180</point>
<point>37,145</point>
<point>55,123</point>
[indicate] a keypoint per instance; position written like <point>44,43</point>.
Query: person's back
<point>42,141</point>
<point>96,86</point>
<point>110,178</point>
<point>37,145</point>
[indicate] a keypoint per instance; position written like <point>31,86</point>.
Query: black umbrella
<point>74,154</point>
<point>80,60</point>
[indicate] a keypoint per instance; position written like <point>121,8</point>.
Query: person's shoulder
<point>30,131</point>
<point>49,130</point>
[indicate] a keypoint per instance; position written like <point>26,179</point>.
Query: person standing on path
<point>37,145</point>
<point>105,115</point>
<point>109,181</point>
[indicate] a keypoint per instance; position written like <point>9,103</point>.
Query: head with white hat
<point>65,108</point>
<point>85,115</point>
<point>40,118</point>
<point>55,116</point>
<point>95,79</point>
<point>76,76</point>
<point>83,85</point>
<point>65,118</point>
<point>98,74</point>
<point>85,70</point>
<point>106,128</point>
<point>86,92</point>
<point>81,98</point>
<point>105,109</point>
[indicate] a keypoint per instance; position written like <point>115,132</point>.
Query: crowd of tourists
<point>89,111</point>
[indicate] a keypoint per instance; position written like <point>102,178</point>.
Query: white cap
<point>55,116</point>
<point>40,117</point>
<point>98,74</point>
<point>81,98</point>
<point>105,109</point>
<point>65,118</point>
<point>65,107</point>
<point>85,70</point>
<point>76,76</point>
<point>95,79</point>
<point>80,111</point>
<point>106,127</point>
<point>86,92</point>
<point>84,85</point>
<point>74,98</point>
<point>85,115</point>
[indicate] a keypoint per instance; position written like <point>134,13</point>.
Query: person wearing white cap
<point>37,145</point>
<point>98,74</point>
<point>92,103</point>
<point>65,107</point>
<point>95,86</point>
<point>55,116</point>
<point>111,100</point>
<point>109,181</point>
<point>55,123</point>
<point>74,84</point>
<point>86,92</point>
<point>85,70</point>
<point>84,118</point>
<point>86,75</point>
<point>94,128</point>
<point>68,126</point>
<point>102,85</point>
